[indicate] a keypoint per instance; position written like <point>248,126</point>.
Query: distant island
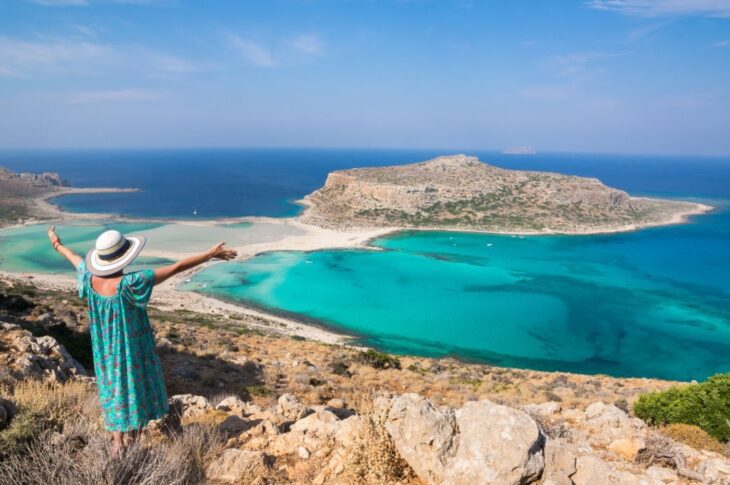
<point>519,151</point>
<point>461,192</point>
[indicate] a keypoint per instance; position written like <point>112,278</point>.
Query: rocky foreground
<point>461,192</point>
<point>252,407</point>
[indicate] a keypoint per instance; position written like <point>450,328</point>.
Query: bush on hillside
<point>377,360</point>
<point>706,405</point>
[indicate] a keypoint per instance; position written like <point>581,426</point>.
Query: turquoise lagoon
<point>27,249</point>
<point>652,303</point>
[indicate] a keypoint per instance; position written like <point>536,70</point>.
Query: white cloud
<point>39,58</point>
<point>85,97</point>
<point>255,53</point>
<point>578,64</point>
<point>657,8</point>
<point>310,44</point>
<point>722,43</point>
<point>23,58</point>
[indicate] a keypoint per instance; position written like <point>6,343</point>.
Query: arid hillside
<point>253,406</point>
<point>462,192</point>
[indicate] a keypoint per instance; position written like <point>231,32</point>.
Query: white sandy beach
<point>175,239</point>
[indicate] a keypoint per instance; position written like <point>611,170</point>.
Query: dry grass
<point>57,439</point>
<point>38,407</point>
<point>693,436</point>
<point>374,458</point>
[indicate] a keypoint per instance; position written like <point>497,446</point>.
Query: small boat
<point>308,261</point>
<point>489,245</point>
<point>195,211</point>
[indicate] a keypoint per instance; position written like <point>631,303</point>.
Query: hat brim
<point>98,267</point>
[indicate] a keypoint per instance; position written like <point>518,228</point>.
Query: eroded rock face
<point>496,444</point>
<point>482,442</point>
<point>424,435</point>
<point>36,357</point>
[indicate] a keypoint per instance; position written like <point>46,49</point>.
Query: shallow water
<point>652,303</point>
<point>27,249</point>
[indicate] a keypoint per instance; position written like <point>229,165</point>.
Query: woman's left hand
<point>53,236</point>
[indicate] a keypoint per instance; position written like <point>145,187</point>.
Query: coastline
<point>301,236</point>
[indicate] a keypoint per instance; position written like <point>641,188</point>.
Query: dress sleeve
<point>81,277</point>
<point>138,287</point>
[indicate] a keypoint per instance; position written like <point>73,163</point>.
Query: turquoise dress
<point>128,372</point>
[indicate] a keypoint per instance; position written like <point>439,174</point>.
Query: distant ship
<point>519,151</point>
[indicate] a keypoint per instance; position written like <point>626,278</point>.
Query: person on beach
<point>128,373</point>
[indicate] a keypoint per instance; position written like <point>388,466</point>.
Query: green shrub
<point>378,360</point>
<point>706,405</point>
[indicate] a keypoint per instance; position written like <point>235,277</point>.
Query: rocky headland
<point>24,196</point>
<point>461,192</point>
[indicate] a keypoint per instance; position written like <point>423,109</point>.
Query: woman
<point>128,373</point>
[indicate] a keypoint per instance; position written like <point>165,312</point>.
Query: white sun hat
<point>112,252</point>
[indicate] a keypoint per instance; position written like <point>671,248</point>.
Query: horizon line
<point>446,151</point>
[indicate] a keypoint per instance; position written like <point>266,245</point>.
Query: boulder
<point>234,425</point>
<point>423,435</point>
<point>542,409</point>
<point>496,444</point>
<point>238,466</point>
<point>559,462</point>
<point>191,405</point>
<point>290,407</point>
<point>605,415</point>
<point>715,471</point>
<point>231,403</point>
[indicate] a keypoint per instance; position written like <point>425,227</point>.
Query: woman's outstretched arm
<point>72,257</point>
<point>219,251</point>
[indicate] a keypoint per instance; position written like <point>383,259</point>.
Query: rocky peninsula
<point>25,196</point>
<point>462,193</point>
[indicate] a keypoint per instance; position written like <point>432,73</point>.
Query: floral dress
<point>128,372</point>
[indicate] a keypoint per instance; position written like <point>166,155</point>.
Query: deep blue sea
<point>265,182</point>
<point>653,303</point>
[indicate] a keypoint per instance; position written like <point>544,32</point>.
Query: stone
<point>559,462</point>
<point>290,407</point>
<point>627,448</point>
<point>715,470</point>
<point>191,405</point>
<point>231,403</point>
<point>542,409</point>
<point>603,414</point>
<point>336,403</point>
<point>303,453</point>
<point>423,435</point>
<point>238,466</point>
<point>662,475</point>
<point>234,425</point>
<point>591,470</point>
<point>496,444</point>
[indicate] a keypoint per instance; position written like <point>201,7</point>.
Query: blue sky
<point>623,76</point>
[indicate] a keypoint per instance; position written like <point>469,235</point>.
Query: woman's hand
<point>53,236</point>
<point>219,251</point>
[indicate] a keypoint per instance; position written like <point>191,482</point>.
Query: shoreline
<point>308,237</point>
